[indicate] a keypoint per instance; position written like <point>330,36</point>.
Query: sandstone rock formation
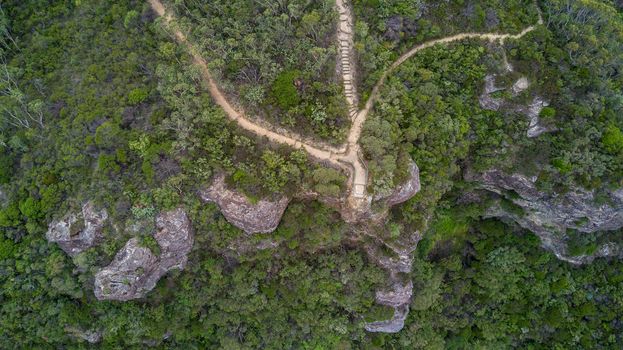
<point>406,191</point>
<point>135,269</point>
<point>399,297</point>
<point>550,215</point>
<point>486,100</point>
<point>398,261</point>
<point>533,111</point>
<point>76,233</point>
<point>520,85</point>
<point>261,217</point>
<point>90,336</point>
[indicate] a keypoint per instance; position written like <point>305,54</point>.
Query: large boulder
<point>129,275</point>
<point>261,217</point>
<point>406,191</point>
<point>76,233</point>
<point>135,269</point>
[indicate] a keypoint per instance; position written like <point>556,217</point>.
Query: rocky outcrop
<point>406,191</point>
<point>550,216</point>
<point>76,233</point>
<point>520,86</point>
<point>486,100</point>
<point>399,297</point>
<point>135,269</point>
<point>261,217</point>
<point>533,111</point>
<point>90,336</point>
<point>397,259</point>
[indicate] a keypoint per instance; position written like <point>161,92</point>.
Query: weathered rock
<point>486,100</point>
<point>135,270</point>
<point>392,263</point>
<point>399,298</point>
<point>533,111</point>
<point>406,191</point>
<point>520,85</point>
<point>397,263</point>
<point>174,236</point>
<point>128,276</point>
<point>550,216</point>
<point>393,325</point>
<point>261,217</point>
<point>399,295</point>
<point>76,233</point>
<point>90,336</point>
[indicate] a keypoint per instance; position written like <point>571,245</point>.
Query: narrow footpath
<point>348,156</point>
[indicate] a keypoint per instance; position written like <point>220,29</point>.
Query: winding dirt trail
<point>348,156</point>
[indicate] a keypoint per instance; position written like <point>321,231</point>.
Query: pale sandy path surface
<point>348,156</point>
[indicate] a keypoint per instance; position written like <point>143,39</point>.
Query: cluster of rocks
<point>76,233</point>
<point>550,216</point>
<point>406,191</point>
<point>135,269</point>
<point>264,216</point>
<point>532,111</point>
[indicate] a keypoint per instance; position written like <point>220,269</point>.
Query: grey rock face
<point>261,217</point>
<point>550,216</point>
<point>406,191</point>
<point>174,236</point>
<point>399,297</point>
<point>533,111</point>
<point>76,233</point>
<point>486,100</point>
<point>520,85</point>
<point>90,336</point>
<point>135,270</point>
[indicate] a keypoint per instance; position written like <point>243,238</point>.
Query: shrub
<point>612,139</point>
<point>284,91</point>
<point>137,96</point>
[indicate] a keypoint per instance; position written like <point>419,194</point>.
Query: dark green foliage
<point>284,89</point>
<point>126,123</point>
<point>6,166</point>
<point>385,29</point>
<point>509,293</point>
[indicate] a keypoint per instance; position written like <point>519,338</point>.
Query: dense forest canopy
<point>98,103</point>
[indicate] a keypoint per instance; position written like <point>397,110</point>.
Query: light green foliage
<point>613,139</point>
<point>137,96</point>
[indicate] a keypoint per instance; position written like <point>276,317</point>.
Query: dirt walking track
<point>348,156</point>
